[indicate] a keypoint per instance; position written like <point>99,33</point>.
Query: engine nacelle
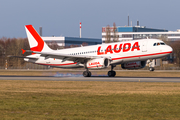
<point>97,63</point>
<point>134,65</point>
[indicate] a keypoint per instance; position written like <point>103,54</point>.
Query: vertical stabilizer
<point>35,41</point>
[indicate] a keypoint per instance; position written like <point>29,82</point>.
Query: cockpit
<point>159,43</point>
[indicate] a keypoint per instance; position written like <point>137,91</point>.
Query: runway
<point>94,78</point>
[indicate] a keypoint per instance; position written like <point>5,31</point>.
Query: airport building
<point>70,41</point>
<point>126,33</point>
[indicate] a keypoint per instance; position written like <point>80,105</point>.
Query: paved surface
<point>93,78</point>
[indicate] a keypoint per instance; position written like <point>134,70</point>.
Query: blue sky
<point>62,17</point>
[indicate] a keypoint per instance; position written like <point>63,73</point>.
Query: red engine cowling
<point>97,63</point>
<point>134,65</point>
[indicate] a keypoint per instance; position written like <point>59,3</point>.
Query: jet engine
<point>134,65</point>
<point>97,63</point>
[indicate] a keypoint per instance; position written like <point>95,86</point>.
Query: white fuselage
<point>117,53</point>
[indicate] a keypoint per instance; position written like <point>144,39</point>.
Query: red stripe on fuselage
<point>141,55</point>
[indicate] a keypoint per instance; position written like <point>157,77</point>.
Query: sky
<point>62,17</point>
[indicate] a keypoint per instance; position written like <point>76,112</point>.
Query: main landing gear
<point>87,73</point>
<point>112,73</point>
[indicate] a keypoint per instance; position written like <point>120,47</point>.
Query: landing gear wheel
<point>151,69</point>
<point>87,74</point>
<point>111,73</point>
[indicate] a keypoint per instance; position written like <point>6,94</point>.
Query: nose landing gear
<point>151,69</point>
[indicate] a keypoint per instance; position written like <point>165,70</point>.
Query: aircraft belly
<point>137,57</point>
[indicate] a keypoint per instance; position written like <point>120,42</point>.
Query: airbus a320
<point>130,54</point>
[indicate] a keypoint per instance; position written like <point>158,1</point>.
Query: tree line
<point>12,46</point>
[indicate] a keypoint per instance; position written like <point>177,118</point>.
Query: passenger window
<point>162,43</point>
<point>154,44</point>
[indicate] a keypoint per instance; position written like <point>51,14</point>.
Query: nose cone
<point>166,49</point>
<point>169,49</point>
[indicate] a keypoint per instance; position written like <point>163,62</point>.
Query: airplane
<point>130,54</point>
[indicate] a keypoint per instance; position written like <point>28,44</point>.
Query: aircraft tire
<point>111,73</point>
<point>151,69</point>
<point>87,74</point>
<point>114,73</point>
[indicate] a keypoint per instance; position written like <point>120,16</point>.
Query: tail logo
<point>40,42</point>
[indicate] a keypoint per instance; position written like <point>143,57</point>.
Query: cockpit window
<point>162,43</point>
<point>157,44</point>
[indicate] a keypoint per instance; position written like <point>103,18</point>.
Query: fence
<point>25,66</point>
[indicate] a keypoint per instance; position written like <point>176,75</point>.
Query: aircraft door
<point>144,46</point>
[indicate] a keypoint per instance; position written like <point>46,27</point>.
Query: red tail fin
<point>35,41</point>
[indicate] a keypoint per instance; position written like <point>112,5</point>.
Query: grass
<point>88,100</point>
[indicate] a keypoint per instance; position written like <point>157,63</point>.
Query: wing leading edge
<point>75,58</point>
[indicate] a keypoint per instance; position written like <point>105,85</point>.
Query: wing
<point>64,57</point>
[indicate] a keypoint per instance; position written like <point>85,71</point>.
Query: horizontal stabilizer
<point>12,56</point>
<point>23,51</point>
